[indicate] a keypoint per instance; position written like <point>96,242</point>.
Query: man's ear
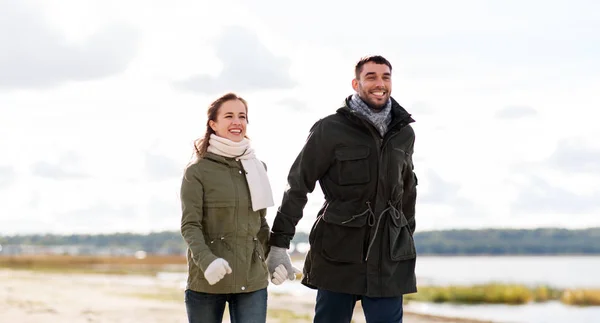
<point>355,84</point>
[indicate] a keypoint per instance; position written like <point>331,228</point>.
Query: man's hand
<point>280,266</point>
<point>217,270</point>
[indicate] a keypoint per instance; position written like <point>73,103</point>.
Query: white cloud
<point>515,112</point>
<point>36,55</point>
<point>572,155</point>
<point>247,65</point>
<point>7,176</point>
<point>159,167</point>
<point>117,119</point>
<point>64,168</point>
<point>539,196</point>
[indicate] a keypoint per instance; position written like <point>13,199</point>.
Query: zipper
<point>378,144</point>
<point>379,268</point>
<point>237,207</point>
<point>257,250</point>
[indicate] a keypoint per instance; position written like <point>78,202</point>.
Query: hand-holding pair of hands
<point>278,262</point>
<point>280,266</point>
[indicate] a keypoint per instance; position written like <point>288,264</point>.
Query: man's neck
<point>373,108</point>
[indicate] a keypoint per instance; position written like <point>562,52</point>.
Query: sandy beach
<point>39,296</point>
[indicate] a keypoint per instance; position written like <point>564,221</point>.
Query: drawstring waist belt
<point>391,209</point>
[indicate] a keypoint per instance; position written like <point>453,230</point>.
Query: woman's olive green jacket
<point>218,222</point>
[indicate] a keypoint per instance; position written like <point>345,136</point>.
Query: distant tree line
<point>509,242</point>
<point>445,242</point>
<point>166,242</point>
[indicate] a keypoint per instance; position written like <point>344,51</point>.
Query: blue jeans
<point>334,307</point>
<point>243,307</point>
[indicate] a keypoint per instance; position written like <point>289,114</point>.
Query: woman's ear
<point>212,125</point>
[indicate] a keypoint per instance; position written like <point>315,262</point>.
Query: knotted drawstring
<point>370,219</point>
<point>395,217</point>
<point>395,214</point>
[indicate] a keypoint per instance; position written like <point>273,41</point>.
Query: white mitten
<point>217,270</point>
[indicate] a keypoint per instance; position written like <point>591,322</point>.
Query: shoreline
<point>37,296</point>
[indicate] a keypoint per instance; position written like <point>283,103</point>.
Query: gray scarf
<point>380,119</point>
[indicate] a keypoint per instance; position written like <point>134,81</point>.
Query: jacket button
<point>240,172</point>
<point>243,288</point>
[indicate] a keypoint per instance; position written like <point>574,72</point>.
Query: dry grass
<point>581,297</point>
<point>504,294</point>
<point>478,294</point>
<point>545,293</point>
<point>92,264</point>
<point>60,260</point>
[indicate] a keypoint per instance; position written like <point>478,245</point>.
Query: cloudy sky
<point>100,101</point>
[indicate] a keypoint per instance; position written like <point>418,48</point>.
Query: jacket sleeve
<point>311,163</point>
<point>191,195</point>
<point>409,198</point>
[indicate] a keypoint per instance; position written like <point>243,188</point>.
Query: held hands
<point>280,266</point>
<point>217,270</point>
<point>281,274</point>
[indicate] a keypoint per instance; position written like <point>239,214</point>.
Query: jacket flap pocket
<point>401,243</point>
<point>219,203</point>
<point>352,153</point>
<point>398,219</point>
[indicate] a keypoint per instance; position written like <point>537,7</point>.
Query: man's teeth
<point>378,93</point>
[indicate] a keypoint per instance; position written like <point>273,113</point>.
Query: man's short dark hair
<point>377,59</point>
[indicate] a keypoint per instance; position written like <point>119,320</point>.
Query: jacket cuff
<point>279,240</point>
<point>207,260</point>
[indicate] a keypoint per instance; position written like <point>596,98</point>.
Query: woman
<point>224,196</point>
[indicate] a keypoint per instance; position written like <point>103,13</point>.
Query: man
<point>361,244</point>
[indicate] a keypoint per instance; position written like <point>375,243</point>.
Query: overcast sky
<point>101,100</point>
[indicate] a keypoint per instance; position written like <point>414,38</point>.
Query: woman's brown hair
<point>201,144</point>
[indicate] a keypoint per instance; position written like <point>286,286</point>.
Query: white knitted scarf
<point>256,175</point>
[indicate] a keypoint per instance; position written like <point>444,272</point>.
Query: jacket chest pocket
<point>219,206</point>
<point>352,165</point>
<point>219,187</point>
